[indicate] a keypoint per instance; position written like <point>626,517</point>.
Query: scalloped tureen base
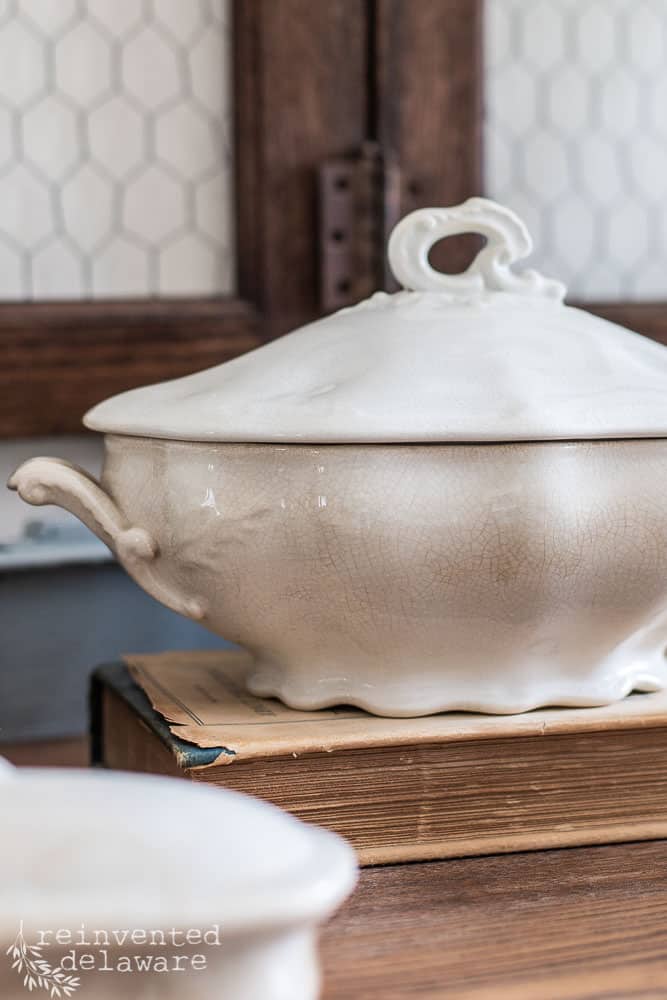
<point>509,696</point>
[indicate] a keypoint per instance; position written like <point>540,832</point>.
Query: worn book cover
<point>399,789</point>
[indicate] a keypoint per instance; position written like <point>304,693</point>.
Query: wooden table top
<point>573,924</point>
<point>576,924</point>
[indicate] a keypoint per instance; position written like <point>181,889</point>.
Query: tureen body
<point>450,498</point>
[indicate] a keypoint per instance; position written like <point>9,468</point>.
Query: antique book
<point>399,789</point>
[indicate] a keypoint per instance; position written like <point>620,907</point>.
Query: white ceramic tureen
<point>448,498</point>
<point>196,892</point>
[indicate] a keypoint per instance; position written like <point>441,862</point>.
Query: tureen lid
<point>158,852</point>
<point>486,355</point>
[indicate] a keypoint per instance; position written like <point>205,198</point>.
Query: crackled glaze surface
<point>412,579</point>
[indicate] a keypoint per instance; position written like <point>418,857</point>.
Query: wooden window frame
<point>300,76</point>
<point>312,81</point>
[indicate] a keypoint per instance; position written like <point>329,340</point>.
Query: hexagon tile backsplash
<point>115,148</point>
<point>576,137</point>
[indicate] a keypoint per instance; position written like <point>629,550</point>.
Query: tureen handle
<point>507,240</point>
<point>42,481</point>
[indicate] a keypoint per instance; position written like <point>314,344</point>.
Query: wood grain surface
<point>59,359</point>
<point>647,318</point>
<point>300,98</point>
<point>428,86</point>
<point>577,924</point>
<point>72,752</point>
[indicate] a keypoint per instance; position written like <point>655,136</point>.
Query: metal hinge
<point>359,198</point>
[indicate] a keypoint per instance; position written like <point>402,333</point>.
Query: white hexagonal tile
<point>600,281</point>
<point>25,207</point>
<point>657,106</point>
<point>150,68</point>
<point>647,38</point>
<point>497,34</point>
<point>648,157</point>
<point>533,214</point>
<point>210,71</point>
<point>600,168</point>
<point>551,264</point>
<point>574,232</point>
<point>180,20</point>
<point>7,150</point>
<point>545,164</point>
<point>499,163</point>
<point>120,269</point>
<point>650,280</point>
<point>189,266</point>
<point>627,239</point>
<point>118,17</point>
<point>185,140</point>
<point>620,101</point>
<point>214,208</point>
<point>57,272</point>
<point>83,63</point>
<point>227,272</point>
<point>569,93</point>
<point>117,136</point>
<point>87,201</point>
<point>542,41</point>
<point>596,39</point>
<point>511,99</point>
<point>50,139</point>
<point>22,63</point>
<point>606,95</point>
<point>219,11</point>
<point>48,16</point>
<point>154,206</point>
<point>11,272</point>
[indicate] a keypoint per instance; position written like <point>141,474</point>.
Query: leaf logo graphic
<point>37,972</point>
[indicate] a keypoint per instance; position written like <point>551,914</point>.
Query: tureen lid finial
<point>507,240</point>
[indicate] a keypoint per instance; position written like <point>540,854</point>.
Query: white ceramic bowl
<point>110,857</point>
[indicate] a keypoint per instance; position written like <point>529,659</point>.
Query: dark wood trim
<point>648,318</point>
<point>74,752</point>
<point>247,137</point>
<point>58,359</point>
<point>301,98</point>
<point>428,114</point>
